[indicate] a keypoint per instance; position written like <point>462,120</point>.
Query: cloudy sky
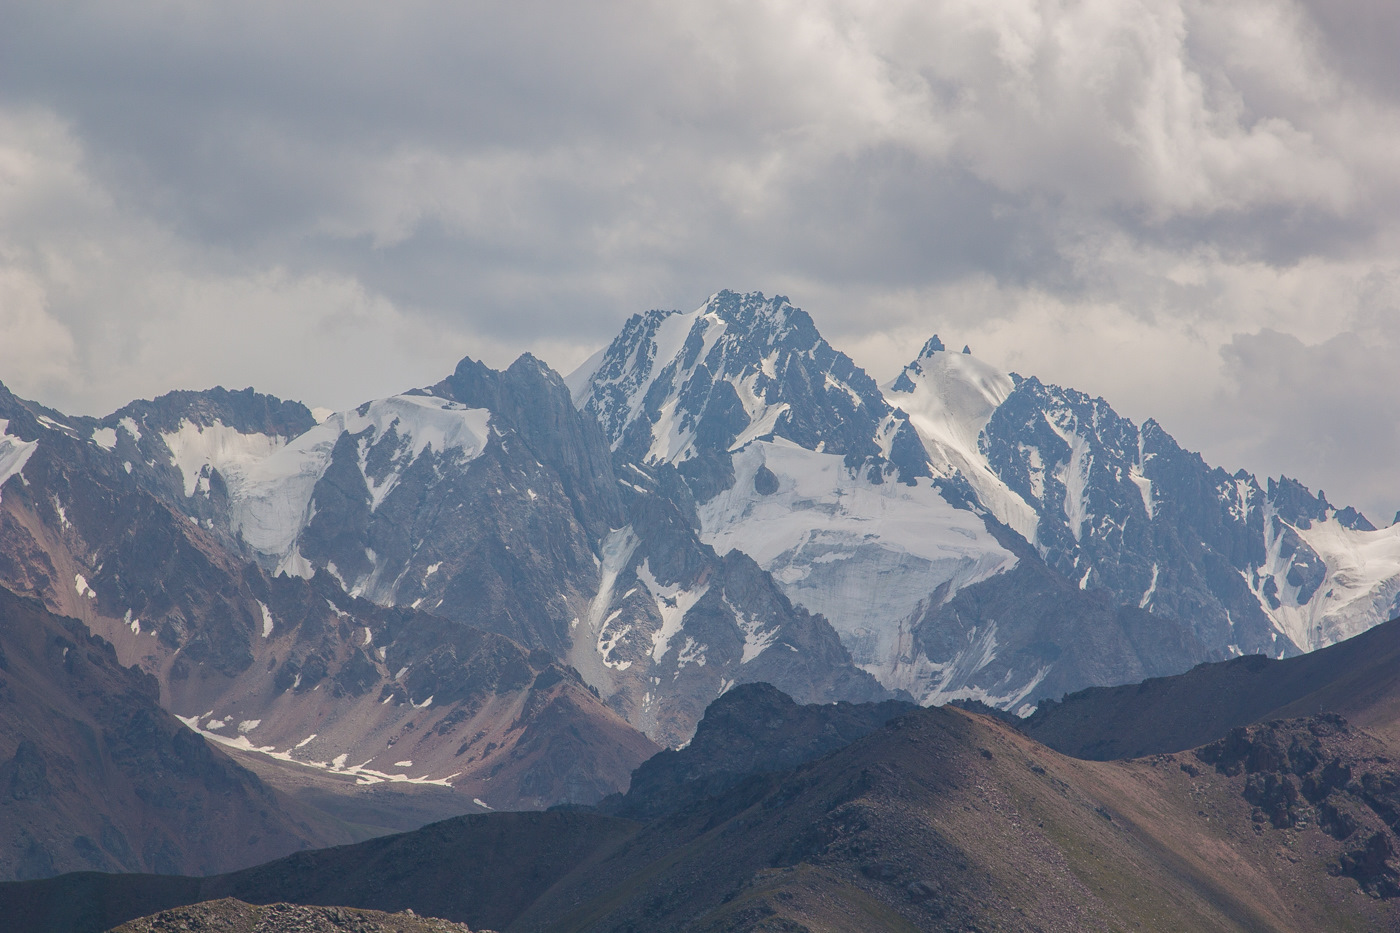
<point>1191,208</point>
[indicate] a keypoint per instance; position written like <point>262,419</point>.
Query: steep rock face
<point>675,625</point>
<point>533,399</point>
<point>1271,570</point>
<point>419,499</point>
<point>94,775</point>
<point>1029,634</point>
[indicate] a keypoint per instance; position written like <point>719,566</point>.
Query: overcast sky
<point>1190,208</point>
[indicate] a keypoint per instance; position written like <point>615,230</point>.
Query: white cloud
<point>333,201</point>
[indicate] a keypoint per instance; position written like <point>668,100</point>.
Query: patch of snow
<point>481,803</point>
<point>954,676</point>
<point>760,426</point>
<point>81,585</point>
<point>656,343</point>
<point>406,763</point>
<point>133,624</point>
<point>195,448</point>
<point>362,774</point>
<point>1151,588</point>
<point>756,639</point>
<point>691,653</point>
<point>48,422</point>
<point>106,438</point>
<point>1074,475</point>
<point>266,619</point>
<point>306,741</point>
<point>673,601</point>
<point>578,380</point>
<point>248,725</point>
<point>130,426</point>
<point>294,565</point>
<point>14,453</point>
<point>1036,471</point>
<point>1138,476</point>
<point>608,640</point>
<point>591,654</point>
<point>665,345</point>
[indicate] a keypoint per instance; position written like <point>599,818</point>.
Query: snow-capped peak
<point>673,387</point>
<point>949,398</point>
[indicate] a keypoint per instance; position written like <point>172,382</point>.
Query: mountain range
<point>511,588</point>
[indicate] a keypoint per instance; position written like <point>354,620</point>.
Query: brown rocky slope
<point>95,775</point>
<point>940,819</point>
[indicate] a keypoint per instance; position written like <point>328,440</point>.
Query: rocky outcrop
<point>233,916</point>
<point>753,728</point>
<point>1318,771</point>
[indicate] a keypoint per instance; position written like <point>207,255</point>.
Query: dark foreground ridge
<point>1356,678</point>
<point>937,819</point>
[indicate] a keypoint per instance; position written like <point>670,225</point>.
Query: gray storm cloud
<point>1187,207</point>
